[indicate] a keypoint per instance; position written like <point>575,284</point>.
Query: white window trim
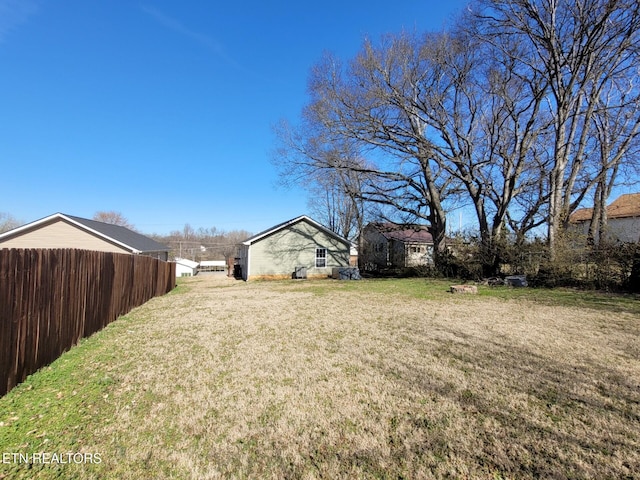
<point>324,258</point>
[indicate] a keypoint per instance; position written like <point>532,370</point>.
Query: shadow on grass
<point>554,420</point>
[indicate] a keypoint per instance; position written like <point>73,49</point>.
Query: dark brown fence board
<point>50,299</point>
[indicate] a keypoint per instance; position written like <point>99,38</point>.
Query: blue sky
<point>163,110</point>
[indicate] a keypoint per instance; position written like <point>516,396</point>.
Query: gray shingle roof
<point>293,221</point>
<point>134,240</point>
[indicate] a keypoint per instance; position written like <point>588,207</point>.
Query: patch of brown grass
<point>260,380</point>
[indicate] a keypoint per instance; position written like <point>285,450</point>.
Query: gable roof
<point>117,234</point>
<point>186,262</point>
<point>627,205</point>
<point>293,221</point>
<point>403,233</point>
<point>581,215</point>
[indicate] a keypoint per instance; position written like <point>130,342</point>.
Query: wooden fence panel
<point>50,299</point>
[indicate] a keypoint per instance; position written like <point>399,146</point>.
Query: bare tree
<point>114,218</point>
<point>616,134</point>
<point>582,48</point>
<point>483,117</point>
<point>230,243</point>
<point>369,105</point>
<point>8,222</point>
<point>204,243</point>
<point>520,111</point>
<point>448,119</point>
<point>329,171</point>
<point>334,207</point>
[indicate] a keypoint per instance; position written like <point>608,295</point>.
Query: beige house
<point>623,219</point>
<point>66,231</point>
<point>391,245</point>
<point>298,248</point>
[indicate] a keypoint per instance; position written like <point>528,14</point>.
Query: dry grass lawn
<point>327,379</point>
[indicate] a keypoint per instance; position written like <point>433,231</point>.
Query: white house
<point>623,218</point>
<point>186,268</point>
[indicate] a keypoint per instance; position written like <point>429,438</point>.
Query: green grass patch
<point>601,301</point>
<point>271,380</point>
<point>55,410</point>
<point>432,289</point>
<point>182,286</point>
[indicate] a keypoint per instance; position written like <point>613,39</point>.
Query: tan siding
<point>60,234</point>
<point>280,253</point>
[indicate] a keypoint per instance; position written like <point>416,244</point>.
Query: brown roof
<point>627,205</point>
<point>581,215</point>
<point>404,233</point>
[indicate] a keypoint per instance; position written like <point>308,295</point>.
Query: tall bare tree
<point>484,118</point>
<point>369,104</point>
<point>520,110</point>
<point>447,117</point>
<point>582,48</point>
<point>616,136</point>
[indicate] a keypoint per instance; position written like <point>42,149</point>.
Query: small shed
<point>186,268</point>
<point>297,248</point>
<point>213,266</point>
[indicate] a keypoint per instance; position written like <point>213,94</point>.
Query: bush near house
<point>610,266</point>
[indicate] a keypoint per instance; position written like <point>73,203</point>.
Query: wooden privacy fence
<point>50,299</point>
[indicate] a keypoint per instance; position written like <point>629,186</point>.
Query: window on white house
<point>321,257</point>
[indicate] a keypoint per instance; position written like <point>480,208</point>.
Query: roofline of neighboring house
<point>64,217</point>
<point>293,221</point>
<point>581,215</point>
<point>392,231</point>
<point>585,214</point>
<point>186,262</point>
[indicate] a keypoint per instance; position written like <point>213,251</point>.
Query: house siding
<point>421,257</point>
<point>278,254</point>
<point>618,229</point>
<point>625,229</point>
<point>376,250</point>
<point>382,250</point>
<point>60,234</point>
